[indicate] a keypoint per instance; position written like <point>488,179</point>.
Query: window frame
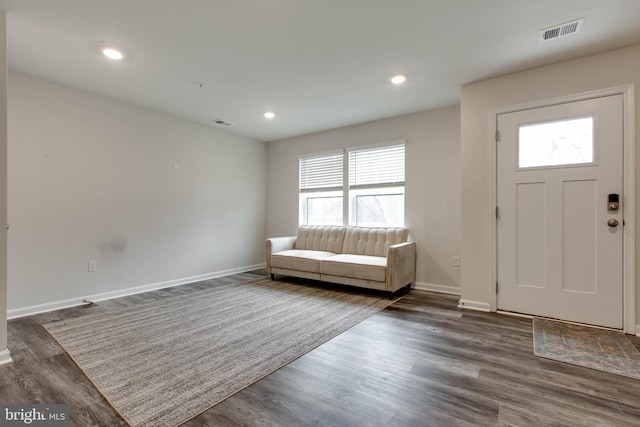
<point>365,192</point>
<point>348,192</point>
<point>305,194</point>
<point>304,204</point>
<point>391,188</point>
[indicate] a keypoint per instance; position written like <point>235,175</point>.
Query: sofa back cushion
<point>320,238</point>
<point>372,241</point>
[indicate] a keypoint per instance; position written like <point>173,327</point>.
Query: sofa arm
<point>278,244</point>
<point>401,265</point>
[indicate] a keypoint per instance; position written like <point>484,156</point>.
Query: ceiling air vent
<point>561,30</point>
<point>220,122</point>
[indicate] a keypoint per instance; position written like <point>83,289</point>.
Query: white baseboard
<point>5,357</point>
<point>432,287</point>
<point>474,305</point>
<point>513,314</point>
<point>74,302</point>
<point>16,313</point>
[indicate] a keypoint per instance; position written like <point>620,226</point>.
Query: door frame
<point>628,208</point>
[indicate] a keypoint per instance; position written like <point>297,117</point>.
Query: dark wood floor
<point>420,362</point>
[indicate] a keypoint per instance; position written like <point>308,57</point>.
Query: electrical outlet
<point>456,261</point>
<point>92,266</point>
<point>176,167</point>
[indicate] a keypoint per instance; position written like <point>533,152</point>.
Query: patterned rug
<point>600,349</point>
<point>164,362</point>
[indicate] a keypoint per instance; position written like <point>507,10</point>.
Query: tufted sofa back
<point>320,238</point>
<point>372,241</point>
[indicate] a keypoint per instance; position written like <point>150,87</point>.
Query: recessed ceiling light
<point>398,79</point>
<point>269,115</point>
<point>112,53</point>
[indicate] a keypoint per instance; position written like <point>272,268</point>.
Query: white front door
<point>560,237</point>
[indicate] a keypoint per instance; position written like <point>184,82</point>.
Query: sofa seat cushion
<point>357,266</point>
<point>299,259</point>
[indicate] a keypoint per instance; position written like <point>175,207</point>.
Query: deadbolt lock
<point>613,202</point>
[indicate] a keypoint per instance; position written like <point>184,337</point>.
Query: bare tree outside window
<point>380,210</point>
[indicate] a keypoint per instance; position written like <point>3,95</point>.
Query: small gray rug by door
<point>164,362</point>
<point>600,349</point>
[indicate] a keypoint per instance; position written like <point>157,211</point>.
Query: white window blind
<point>321,173</point>
<point>376,167</point>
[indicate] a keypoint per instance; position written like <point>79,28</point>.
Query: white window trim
<point>377,145</point>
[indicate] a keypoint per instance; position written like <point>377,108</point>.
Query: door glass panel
<point>559,143</point>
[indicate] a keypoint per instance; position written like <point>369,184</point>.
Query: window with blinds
<point>377,167</point>
<point>373,187</point>
<point>376,186</point>
<point>322,173</point>
<point>321,189</point>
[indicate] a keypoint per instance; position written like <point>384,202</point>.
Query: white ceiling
<point>318,64</point>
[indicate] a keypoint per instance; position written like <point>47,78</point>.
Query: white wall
<point>605,70</point>
<point>432,201</point>
<point>4,353</point>
<point>92,179</point>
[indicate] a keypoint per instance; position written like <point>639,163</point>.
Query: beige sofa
<point>373,258</point>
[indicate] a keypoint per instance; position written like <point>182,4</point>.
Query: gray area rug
<point>164,362</point>
<point>604,350</point>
